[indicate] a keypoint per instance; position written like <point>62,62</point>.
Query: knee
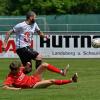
<point>44,64</point>
<point>39,57</point>
<point>28,70</point>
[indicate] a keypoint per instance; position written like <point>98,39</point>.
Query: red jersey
<point>21,80</point>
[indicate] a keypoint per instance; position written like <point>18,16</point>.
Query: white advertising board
<point>57,46</point>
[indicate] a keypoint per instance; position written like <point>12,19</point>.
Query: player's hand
<point>47,37</point>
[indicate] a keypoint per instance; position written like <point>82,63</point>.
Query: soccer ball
<point>96,42</point>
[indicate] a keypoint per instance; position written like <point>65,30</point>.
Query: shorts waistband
<point>23,48</point>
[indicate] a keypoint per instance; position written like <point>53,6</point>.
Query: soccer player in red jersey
<point>17,80</point>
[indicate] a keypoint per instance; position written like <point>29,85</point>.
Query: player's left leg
<point>47,83</point>
<point>57,70</point>
<point>25,56</point>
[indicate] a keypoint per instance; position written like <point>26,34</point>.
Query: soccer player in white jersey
<point>24,31</point>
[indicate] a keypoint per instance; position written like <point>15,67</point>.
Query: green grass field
<point>87,88</point>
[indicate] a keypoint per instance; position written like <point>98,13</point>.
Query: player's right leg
<point>24,55</point>
<point>35,56</point>
<point>43,84</point>
<point>47,83</point>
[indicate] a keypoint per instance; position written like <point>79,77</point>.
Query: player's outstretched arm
<point>42,35</point>
<point>7,37</point>
<point>10,88</point>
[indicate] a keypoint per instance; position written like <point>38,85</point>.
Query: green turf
<point>87,88</point>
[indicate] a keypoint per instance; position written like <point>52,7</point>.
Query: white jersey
<point>24,33</point>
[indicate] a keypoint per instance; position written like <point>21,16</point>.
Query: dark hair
<point>14,65</point>
<point>29,14</point>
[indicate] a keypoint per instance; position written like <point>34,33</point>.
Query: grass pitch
<point>87,88</point>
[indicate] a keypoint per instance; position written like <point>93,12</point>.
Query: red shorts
<point>33,80</point>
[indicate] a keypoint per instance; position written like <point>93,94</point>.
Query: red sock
<point>61,82</point>
<point>53,68</point>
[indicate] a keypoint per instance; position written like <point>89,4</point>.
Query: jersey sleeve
<point>36,27</point>
<point>22,68</point>
<point>17,28</point>
<point>9,80</point>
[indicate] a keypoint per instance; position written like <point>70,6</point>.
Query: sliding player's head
<point>14,67</point>
<point>31,16</point>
